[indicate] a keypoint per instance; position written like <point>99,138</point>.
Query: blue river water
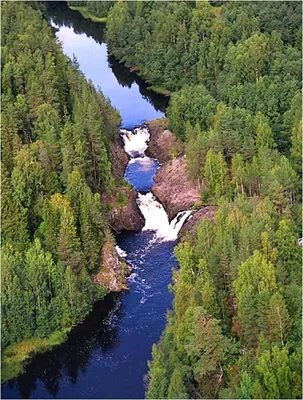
<point>106,355</point>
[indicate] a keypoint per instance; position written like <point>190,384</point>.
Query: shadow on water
<point>62,15</point>
<point>127,78</point>
<point>106,355</point>
<point>72,357</point>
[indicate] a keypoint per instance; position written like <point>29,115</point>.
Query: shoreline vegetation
<point>87,15</point>
<point>56,167</point>
<point>158,89</point>
<point>16,356</point>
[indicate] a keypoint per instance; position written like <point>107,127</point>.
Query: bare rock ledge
<point>115,270</point>
<point>173,188</point>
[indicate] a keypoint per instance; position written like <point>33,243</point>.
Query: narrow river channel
<point>106,356</point>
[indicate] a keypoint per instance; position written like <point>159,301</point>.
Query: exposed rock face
<point>173,188</point>
<point>114,269</point>
<point>161,142</point>
<point>127,217</point>
<point>119,158</point>
<point>191,225</point>
<point>123,217</point>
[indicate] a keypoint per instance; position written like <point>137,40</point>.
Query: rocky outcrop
<point>191,225</point>
<point>115,270</point>
<point>126,214</point>
<point>173,188</point>
<point>162,142</point>
<point>119,158</point>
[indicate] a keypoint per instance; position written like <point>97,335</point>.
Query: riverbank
<point>87,15</point>
<point>172,187</point>
<point>158,89</point>
<point>124,213</point>
<point>16,356</point>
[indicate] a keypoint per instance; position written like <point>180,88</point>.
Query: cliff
<point>119,158</point>
<point>114,269</point>
<point>190,226</point>
<point>163,143</point>
<point>173,188</point>
<point>125,213</point>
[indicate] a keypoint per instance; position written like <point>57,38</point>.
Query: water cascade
<point>156,219</point>
<point>114,342</point>
<point>135,142</point>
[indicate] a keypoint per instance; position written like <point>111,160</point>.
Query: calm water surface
<point>106,355</point>
<point>126,91</point>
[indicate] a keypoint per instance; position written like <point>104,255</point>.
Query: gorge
<point>114,342</point>
<point>151,205</point>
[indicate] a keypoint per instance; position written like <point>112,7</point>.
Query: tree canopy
<point>56,130</point>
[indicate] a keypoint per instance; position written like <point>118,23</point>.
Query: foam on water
<point>157,220</point>
<point>120,252</point>
<point>135,142</point>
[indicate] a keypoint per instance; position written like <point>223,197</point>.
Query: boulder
<point>126,216</point>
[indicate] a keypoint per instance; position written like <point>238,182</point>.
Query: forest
<point>56,131</point>
<point>233,73</point>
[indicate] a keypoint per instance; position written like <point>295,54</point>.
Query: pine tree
<point>215,172</point>
<point>158,379</point>
<point>177,389</point>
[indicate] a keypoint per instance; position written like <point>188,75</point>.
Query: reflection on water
<point>106,355</point>
<point>62,15</point>
<point>127,78</point>
<point>71,358</point>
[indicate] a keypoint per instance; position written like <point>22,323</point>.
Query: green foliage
<point>232,294</point>
<point>56,132</point>
<point>215,173</point>
<point>192,104</point>
<point>276,378</point>
<point>236,103</point>
<point>176,388</point>
<point>122,199</point>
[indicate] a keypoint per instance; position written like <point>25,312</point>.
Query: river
<point>106,355</point>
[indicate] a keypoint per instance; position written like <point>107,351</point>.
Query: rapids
<point>106,355</point>
<point>156,219</point>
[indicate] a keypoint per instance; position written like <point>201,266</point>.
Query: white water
<point>135,143</point>
<point>120,252</point>
<point>156,219</point>
<point>144,162</point>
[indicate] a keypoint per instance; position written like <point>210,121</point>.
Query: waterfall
<point>135,142</point>
<point>156,218</point>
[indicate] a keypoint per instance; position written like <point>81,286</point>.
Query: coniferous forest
<point>56,129</point>
<point>233,73</point>
<point>233,70</point>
